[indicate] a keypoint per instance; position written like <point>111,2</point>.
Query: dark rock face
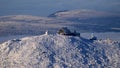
<point>66,31</point>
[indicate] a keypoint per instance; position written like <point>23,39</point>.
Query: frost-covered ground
<point>115,36</point>
<point>57,51</point>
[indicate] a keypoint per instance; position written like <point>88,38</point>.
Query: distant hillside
<point>82,14</point>
<point>91,20</point>
<point>81,21</point>
<point>32,25</point>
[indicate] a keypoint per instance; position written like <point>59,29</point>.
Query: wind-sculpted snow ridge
<point>57,51</point>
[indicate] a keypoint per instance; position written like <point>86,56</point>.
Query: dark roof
<point>64,30</point>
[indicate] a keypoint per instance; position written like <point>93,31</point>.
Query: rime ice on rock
<point>67,32</point>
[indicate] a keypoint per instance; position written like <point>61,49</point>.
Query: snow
<point>6,38</point>
<point>115,36</point>
<point>58,51</point>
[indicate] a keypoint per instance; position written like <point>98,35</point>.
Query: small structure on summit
<point>66,31</point>
<point>46,33</point>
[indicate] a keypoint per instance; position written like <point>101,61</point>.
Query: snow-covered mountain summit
<point>58,51</point>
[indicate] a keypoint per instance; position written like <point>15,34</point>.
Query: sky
<point>46,7</point>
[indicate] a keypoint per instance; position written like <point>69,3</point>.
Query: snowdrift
<point>57,51</point>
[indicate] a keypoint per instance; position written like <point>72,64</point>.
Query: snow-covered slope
<point>57,51</point>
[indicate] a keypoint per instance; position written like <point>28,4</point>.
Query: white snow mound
<point>57,51</point>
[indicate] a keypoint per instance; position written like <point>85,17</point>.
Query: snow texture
<point>58,51</point>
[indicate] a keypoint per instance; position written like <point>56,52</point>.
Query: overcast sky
<point>46,7</point>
